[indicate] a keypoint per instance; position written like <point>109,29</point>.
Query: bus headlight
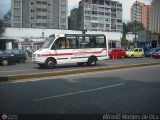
<point>38,55</point>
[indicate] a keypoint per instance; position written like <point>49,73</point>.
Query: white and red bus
<point>72,48</point>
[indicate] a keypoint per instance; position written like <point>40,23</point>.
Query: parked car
<point>20,55</point>
<point>150,53</point>
<point>157,54</point>
<point>135,52</point>
<point>157,49</point>
<point>6,59</point>
<point>117,53</point>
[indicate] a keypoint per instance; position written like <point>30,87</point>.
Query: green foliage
<point>7,19</point>
<point>2,28</point>
<point>125,29</point>
<point>130,27</point>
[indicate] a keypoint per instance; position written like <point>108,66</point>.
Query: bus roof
<point>76,35</point>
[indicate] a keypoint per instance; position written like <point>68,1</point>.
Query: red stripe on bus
<point>65,54</point>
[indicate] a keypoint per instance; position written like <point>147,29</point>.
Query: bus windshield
<point>48,42</point>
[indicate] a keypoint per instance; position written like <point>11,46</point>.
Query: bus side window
<point>62,44</point>
<point>71,42</point>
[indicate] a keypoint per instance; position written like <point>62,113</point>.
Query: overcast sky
<point>5,5</point>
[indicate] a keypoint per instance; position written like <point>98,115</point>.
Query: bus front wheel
<point>50,63</point>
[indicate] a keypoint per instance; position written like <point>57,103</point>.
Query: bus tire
<point>92,61</point>
<point>5,62</point>
<point>50,63</point>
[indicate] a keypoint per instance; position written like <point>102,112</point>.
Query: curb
<point>66,72</point>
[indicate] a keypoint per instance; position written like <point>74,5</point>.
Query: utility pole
<point>135,44</point>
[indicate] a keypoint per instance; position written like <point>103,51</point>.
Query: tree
<point>125,31</point>
<point>7,18</point>
<point>130,27</point>
<point>2,27</point>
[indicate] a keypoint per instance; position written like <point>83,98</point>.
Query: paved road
<point>134,90</point>
<point>33,68</point>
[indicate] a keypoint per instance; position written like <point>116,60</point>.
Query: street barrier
<point>75,71</point>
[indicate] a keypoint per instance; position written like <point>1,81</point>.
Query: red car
<point>117,53</point>
<point>157,54</point>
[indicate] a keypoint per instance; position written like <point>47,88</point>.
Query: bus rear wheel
<point>92,61</point>
<point>50,63</point>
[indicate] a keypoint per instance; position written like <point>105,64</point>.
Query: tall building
<point>99,15</point>
<point>155,26</point>
<point>142,13</point>
<point>155,18</point>
<point>40,13</point>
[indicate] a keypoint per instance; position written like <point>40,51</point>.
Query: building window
<point>101,2</point>
<point>100,13</point>
<point>32,3</point>
<point>94,18</point>
<point>119,5</point>
<point>63,1</point>
<point>38,24</point>
<point>17,3</point>
<point>94,1</point>
<point>63,13</point>
<point>38,17</point>
<point>119,20</point>
<point>107,14</point>
<point>44,3</point>
<point>87,12</point>
<point>38,9</point>
<point>32,18</point>
<point>94,24</point>
<point>44,24</point>
<point>38,2</point>
<point>32,10</point>
<point>94,12</point>
<point>87,18</point>
<point>44,10</point>
<point>44,17</point>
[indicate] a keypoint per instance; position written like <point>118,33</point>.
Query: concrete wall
<point>20,33</point>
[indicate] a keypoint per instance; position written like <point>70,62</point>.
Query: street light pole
<point>135,26</point>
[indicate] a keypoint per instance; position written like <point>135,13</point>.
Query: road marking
<point>75,93</point>
<point>18,70</point>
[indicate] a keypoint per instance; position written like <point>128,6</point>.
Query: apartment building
<point>99,15</point>
<point>155,18</point>
<point>155,26</point>
<point>142,13</point>
<point>40,13</point>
